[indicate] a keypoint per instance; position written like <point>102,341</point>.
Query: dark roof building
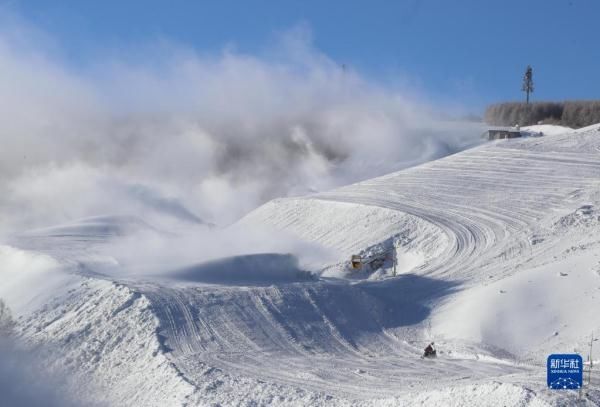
<point>500,133</point>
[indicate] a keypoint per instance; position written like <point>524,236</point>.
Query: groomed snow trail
<point>475,229</point>
<point>342,340</point>
<point>487,201</point>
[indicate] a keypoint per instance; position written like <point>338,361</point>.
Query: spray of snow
<point>24,382</point>
<point>174,134</point>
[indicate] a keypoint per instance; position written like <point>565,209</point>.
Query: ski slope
<point>498,251</point>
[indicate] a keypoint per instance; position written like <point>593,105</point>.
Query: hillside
<point>498,252</point>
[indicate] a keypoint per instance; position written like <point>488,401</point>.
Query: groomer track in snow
<point>487,201</point>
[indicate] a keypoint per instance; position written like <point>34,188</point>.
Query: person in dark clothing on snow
<point>430,351</point>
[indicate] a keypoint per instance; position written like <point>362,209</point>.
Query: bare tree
<point>528,82</point>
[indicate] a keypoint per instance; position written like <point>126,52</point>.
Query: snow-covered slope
<point>497,252</point>
<point>352,228</point>
<point>546,129</point>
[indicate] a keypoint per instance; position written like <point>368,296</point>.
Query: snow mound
<point>106,335</point>
<point>371,231</point>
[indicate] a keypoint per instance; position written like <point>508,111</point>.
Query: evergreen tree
<point>528,82</point>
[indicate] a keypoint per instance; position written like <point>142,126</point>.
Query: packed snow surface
<point>497,253</point>
<point>546,129</point>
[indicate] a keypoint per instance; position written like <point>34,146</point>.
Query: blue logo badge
<point>565,372</point>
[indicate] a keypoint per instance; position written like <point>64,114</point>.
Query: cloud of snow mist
<point>176,135</point>
<point>22,383</point>
<point>152,252</point>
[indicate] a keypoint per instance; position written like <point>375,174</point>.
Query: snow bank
<point>106,336</point>
<point>351,228</point>
<point>534,312</point>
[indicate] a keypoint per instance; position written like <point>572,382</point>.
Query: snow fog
<point>168,132</point>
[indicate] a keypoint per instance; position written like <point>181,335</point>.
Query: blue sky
<point>471,52</point>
